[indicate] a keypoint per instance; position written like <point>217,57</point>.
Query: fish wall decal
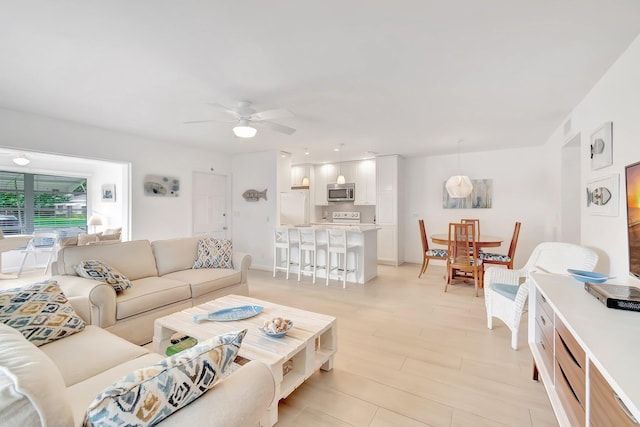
<point>254,195</point>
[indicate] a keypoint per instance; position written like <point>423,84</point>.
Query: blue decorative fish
<point>254,195</point>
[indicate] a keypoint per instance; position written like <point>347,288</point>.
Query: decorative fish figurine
<point>254,195</point>
<point>599,196</point>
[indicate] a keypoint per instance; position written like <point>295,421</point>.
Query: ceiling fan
<point>244,116</point>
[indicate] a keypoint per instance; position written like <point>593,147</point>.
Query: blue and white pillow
<point>148,395</point>
<point>98,270</point>
<point>41,312</point>
<point>214,253</point>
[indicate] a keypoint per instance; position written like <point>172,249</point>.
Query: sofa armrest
<point>101,297</point>
<point>81,306</point>
<point>241,399</point>
<point>242,262</point>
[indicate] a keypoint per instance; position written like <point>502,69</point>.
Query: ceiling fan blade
<point>271,114</point>
<point>279,128</point>
<point>210,121</point>
<point>197,121</point>
<point>225,109</point>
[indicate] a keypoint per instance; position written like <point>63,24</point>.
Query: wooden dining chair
<point>500,259</point>
<point>475,222</point>
<point>427,253</point>
<point>463,254</point>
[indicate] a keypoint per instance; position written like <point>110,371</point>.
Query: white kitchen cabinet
<point>298,172</point>
<point>365,180</point>
<point>387,210</point>
<point>387,244</point>
<point>324,174</point>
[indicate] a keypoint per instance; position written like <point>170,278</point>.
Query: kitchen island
<point>365,236</point>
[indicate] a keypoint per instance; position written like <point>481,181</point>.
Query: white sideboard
<point>585,353</point>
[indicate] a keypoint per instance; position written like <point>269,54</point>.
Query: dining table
<point>484,241</point>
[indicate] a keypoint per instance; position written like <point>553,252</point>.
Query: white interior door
<point>209,204</point>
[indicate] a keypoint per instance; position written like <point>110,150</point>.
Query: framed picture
<point>481,196</point>
<point>161,186</point>
<point>603,196</point>
<point>108,192</point>
<point>602,147</point>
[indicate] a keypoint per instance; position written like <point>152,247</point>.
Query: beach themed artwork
<point>480,198</point>
<point>161,186</point>
<point>602,195</point>
<point>108,192</point>
<point>602,147</point>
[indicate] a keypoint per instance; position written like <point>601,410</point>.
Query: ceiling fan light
<point>244,131</point>
<point>459,186</point>
<point>21,160</point>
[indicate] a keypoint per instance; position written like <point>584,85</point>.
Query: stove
<point>346,217</point>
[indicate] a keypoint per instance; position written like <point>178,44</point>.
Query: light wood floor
<point>409,355</point>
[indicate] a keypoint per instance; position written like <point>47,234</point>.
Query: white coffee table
<point>309,346</point>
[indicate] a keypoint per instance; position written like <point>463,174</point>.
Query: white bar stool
<point>337,244</point>
<point>285,240</point>
<point>309,247</point>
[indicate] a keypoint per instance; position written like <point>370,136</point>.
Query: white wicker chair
<point>505,298</point>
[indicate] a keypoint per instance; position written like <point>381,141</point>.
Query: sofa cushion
<point>90,352</point>
<point>148,395</point>
<point>150,293</point>
<point>98,270</point>
<point>134,259</point>
<point>214,253</point>
<point>32,391</point>
<point>40,312</point>
<point>175,254</point>
<point>205,280</point>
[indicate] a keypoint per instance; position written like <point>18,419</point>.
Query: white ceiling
<point>407,76</point>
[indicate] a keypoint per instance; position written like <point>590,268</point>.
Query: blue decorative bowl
<point>277,334</point>
<point>587,276</point>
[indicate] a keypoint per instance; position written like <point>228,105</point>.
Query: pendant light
<point>459,186</point>
<point>340,179</point>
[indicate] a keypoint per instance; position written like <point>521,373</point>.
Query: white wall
<point>614,98</point>
<point>254,221</point>
<point>152,217</point>
<point>519,194</point>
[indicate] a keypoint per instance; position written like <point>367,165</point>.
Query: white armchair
<point>506,291</point>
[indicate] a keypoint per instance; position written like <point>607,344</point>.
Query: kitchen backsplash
<point>324,213</point>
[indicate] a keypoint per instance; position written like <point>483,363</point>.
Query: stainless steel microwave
<point>341,192</point>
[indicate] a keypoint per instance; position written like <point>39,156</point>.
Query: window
<point>30,202</point>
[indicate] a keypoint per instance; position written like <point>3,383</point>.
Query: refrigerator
<point>294,207</point>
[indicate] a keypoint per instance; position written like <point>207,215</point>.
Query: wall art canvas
<point>161,186</point>
<point>603,195</point>
<point>480,198</point>
<point>602,147</point>
<point>108,192</point>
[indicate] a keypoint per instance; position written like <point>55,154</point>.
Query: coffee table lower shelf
<point>308,347</point>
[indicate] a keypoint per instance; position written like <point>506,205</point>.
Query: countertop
<point>349,227</point>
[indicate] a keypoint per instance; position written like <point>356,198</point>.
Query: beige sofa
<point>54,383</point>
<point>163,282</point>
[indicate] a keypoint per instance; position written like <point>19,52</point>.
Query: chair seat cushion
<point>507,291</point>
<point>437,252</point>
<point>463,260</point>
<point>486,256</point>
